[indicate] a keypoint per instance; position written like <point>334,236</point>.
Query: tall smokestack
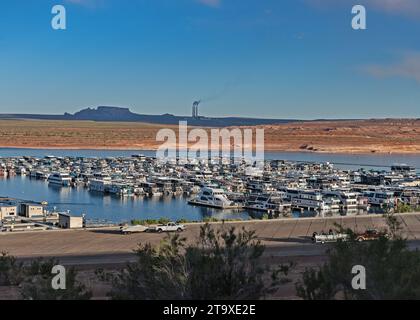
<point>195,112</point>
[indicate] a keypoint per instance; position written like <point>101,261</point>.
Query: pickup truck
<point>329,237</point>
<point>169,227</point>
<point>133,229</point>
<point>370,234</point>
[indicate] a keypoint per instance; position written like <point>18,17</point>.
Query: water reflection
<point>122,209</point>
<point>106,207</point>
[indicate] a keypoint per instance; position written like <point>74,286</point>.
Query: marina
<point>113,189</point>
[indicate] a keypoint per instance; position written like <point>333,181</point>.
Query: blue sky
<point>259,58</point>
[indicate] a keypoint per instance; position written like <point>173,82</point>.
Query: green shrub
<point>178,270</point>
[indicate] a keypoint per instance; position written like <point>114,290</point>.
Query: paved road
<point>284,252</point>
<point>283,238</point>
<point>308,250</point>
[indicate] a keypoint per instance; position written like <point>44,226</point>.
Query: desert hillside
<point>362,136</point>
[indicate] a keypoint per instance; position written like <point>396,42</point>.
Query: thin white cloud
<point>408,66</point>
<point>407,7</point>
<point>398,7</point>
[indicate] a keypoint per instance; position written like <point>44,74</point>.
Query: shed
<point>30,210</point>
<point>67,221</point>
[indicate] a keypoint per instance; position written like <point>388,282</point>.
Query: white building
<point>66,221</point>
<point>29,210</point>
<point>7,211</point>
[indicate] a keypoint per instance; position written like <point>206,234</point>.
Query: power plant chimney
<point>195,113</point>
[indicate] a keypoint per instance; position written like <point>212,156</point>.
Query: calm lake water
<point>116,209</point>
<point>109,208</point>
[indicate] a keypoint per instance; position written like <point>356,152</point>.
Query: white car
<point>170,227</point>
<point>134,229</point>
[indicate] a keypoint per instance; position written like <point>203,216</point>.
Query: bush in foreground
<point>221,264</point>
<point>392,269</point>
<point>34,280</point>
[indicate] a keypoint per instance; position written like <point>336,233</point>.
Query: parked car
<point>370,234</point>
<point>169,227</point>
<point>133,229</point>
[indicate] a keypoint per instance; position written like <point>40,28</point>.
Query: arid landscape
<point>361,136</point>
<point>358,136</point>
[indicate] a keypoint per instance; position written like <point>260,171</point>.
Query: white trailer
<point>329,237</point>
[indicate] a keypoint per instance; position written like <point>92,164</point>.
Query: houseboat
<point>99,185</point>
<point>59,179</point>
<point>310,200</point>
<point>381,198</point>
<point>269,202</point>
<point>214,198</point>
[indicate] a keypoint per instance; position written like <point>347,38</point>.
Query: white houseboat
<point>214,198</point>
<point>59,179</point>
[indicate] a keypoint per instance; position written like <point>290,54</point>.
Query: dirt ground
<point>286,240</point>
<point>77,134</point>
<point>363,136</point>
<point>358,136</point>
<point>109,241</point>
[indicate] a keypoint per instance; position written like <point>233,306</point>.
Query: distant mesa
<point>123,114</point>
<point>104,114</point>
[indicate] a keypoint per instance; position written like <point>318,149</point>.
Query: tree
<point>34,280</point>
<point>221,264</point>
<point>403,208</point>
<point>38,283</point>
<point>11,273</point>
<point>394,226</point>
<point>392,269</point>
